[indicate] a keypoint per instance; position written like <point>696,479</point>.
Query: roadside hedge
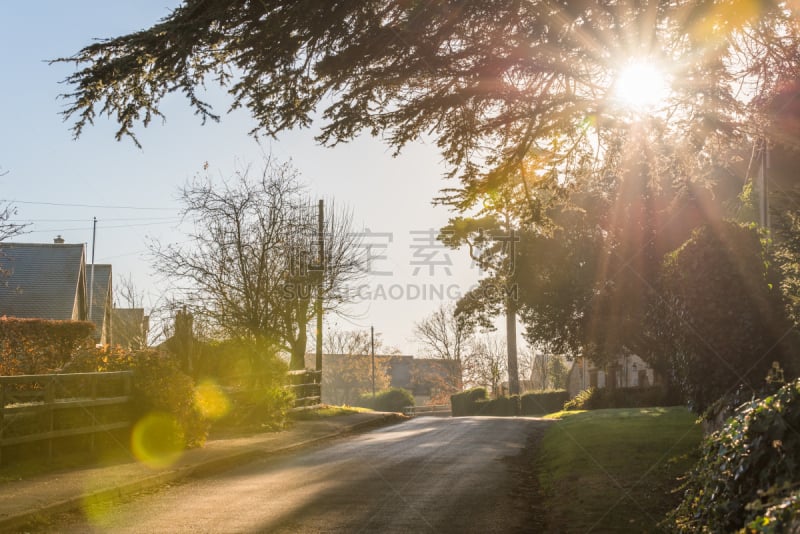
<point>475,402</point>
<point>387,400</point>
<point>748,475</point>
<point>159,386</point>
<point>40,346</point>
<point>597,399</point>
<point>501,407</point>
<point>461,404</point>
<point>543,402</point>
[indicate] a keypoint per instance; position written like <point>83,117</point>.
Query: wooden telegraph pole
<point>320,282</point>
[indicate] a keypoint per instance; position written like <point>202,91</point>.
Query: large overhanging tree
<point>541,94</point>
<point>496,82</point>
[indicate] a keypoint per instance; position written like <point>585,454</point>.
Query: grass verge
<point>326,411</point>
<point>615,470</point>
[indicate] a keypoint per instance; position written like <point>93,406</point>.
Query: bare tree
<point>486,364</point>
<point>348,372</point>
<point>9,229</point>
<point>446,335</point>
<point>251,267</point>
<point>348,342</point>
<point>126,294</point>
<point>548,371</point>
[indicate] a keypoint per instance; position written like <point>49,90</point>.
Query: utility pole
<point>372,351</point>
<point>91,276</point>
<point>320,280</point>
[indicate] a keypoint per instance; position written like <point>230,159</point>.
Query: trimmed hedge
<point>462,403</point>
<point>475,402</point>
<point>543,402</point>
<point>40,346</point>
<point>597,399</point>
<point>501,406</point>
<point>387,400</point>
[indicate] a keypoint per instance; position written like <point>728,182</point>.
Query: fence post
<point>49,399</point>
<point>92,411</point>
<point>2,418</point>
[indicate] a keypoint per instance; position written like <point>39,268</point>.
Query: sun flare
<point>641,86</point>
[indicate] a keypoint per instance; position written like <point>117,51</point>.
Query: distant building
<point>629,371</point>
<point>345,376</point>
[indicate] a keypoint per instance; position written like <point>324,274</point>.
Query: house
<point>629,371</point>
<point>131,327</point>
<point>52,281</point>
<point>101,298</point>
<point>43,280</point>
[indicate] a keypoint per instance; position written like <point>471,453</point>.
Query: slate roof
<point>101,294</point>
<point>40,280</point>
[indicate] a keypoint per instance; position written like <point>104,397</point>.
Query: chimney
<point>58,240</point>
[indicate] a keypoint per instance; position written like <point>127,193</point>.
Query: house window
<point>593,378</point>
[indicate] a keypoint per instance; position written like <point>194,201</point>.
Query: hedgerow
<point>593,398</point>
<point>748,476</point>
<point>159,385</point>
<point>388,400</point>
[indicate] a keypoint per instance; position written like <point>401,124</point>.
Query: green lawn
<point>615,470</point>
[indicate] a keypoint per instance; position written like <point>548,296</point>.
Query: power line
<point>88,226</point>
<point>115,219</point>
<point>99,206</point>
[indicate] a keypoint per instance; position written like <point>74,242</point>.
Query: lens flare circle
<point>211,401</point>
<point>157,440</point>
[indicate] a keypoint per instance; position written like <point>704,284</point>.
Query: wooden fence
<point>33,407</point>
<point>307,388</point>
<point>440,410</point>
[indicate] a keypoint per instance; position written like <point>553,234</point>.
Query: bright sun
<point>641,86</point>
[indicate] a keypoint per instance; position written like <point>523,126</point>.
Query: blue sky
<point>132,191</point>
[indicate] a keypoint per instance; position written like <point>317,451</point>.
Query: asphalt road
<point>424,475</point>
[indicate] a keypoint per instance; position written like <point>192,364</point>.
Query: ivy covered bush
<point>748,476</point>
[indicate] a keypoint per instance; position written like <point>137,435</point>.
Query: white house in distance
<point>629,371</point>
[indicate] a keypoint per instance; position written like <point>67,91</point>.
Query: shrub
<point>582,400</point>
<point>749,471</point>
<point>596,399</point>
<point>159,385</point>
<point>262,408</point>
<point>388,400</point>
<point>461,403</point>
<point>542,402</point>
